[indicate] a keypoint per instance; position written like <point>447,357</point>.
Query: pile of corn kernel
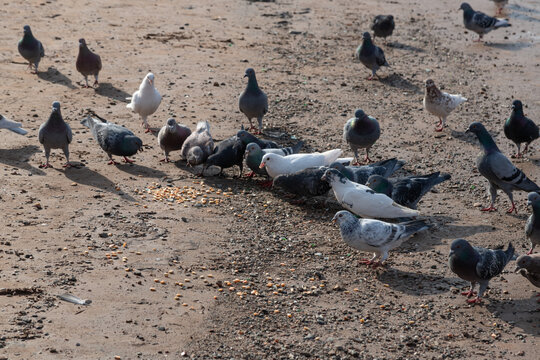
<point>199,193</point>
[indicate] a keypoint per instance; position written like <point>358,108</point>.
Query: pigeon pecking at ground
<point>14,126</point>
<point>55,133</point>
<point>113,139</point>
<point>375,236</point>
<point>532,227</point>
<point>498,170</point>
<point>228,153</point>
<point>529,267</point>
<point>439,103</point>
<point>306,182</point>
<point>146,100</point>
<point>199,145</point>
<point>361,174</point>
<point>520,129</point>
<point>277,165</point>
<point>479,22</point>
<point>171,137</point>
<point>363,201</point>
<point>370,55</point>
<point>31,49</point>
<point>383,26</point>
<point>477,265</point>
<point>253,102</point>
<point>406,191</point>
<point>88,63</point>
<point>361,132</point>
<point>254,155</point>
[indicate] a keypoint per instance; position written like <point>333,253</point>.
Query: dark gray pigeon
<point>254,155</point>
<point>532,227</point>
<point>88,63</point>
<point>361,132</point>
<point>113,139</point>
<point>498,170</point>
<point>529,267</point>
<point>360,174</point>
<point>479,22</point>
<point>383,26</point>
<point>228,153</point>
<point>477,265</point>
<point>406,191</point>
<point>55,134</point>
<point>520,129</point>
<point>14,126</point>
<point>199,145</point>
<point>253,102</point>
<point>31,49</point>
<point>370,55</point>
<point>247,138</point>
<point>306,182</point>
<point>171,137</point>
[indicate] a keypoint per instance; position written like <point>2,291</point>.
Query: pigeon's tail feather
<point>130,105</point>
<point>19,130</point>
<point>457,99</point>
<point>14,126</point>
<point>436,178</point>
<point>509,252</point>
<point>202,125</point>
<point>331,155</point>
<point>501,23</point>
<point>296,148</point>
<point>412,227</point>
<point>391,166</point>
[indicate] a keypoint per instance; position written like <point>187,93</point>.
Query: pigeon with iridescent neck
<point>361,174</point>
<point>520,129</point>
<point>361,132</point>
<point>31,49</point>
<point>498,170</point>
<point>88,63</point>
<point>253,102</point>
<point>55,133</point>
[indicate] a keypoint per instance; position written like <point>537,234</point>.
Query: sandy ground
<point>258,276</point>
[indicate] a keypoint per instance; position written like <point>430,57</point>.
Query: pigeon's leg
<point>367,159</point>
<point>250,174</point>
<point>127,161</point>
<point>368,262</point>
<point>439,126</point>
<point>112,162</point>
<point>259,131</point>
<point>373,74</point>
<point>479,39</point>
<point>86,82</point>
<point>36,67</point>
<point>96,83</point>
<point>478,298</point>
<point>355,159</point>
<point>66,153</point>
<point>166,158</point>
<point>511,197</point>
<point>470,292</point>
<point>266,183</point>
<point>493,192</point>
<point>530,251</point>
<point>519,153</point>
<point>47,154</point>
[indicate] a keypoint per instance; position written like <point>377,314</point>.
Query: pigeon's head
<point>533,198</point>
<point>366,36</point>
<point>465,6</point>
<point>249,73</point>
<point>429,83</point>
<point>517,105</point>
<point>171,124</point>
<point>195,156</point>
<point>56,106</point>
<point>252,148</point>
<point>390,17</point>
<point>476,128</point>
<point>332,175</point>
<point>359,114</point>
<point>343,216</point>
<point>337,165</point>
<point>459,247</point>
<point>268,159</point>
<point>150,78</point>
<point>523,262</point>
<point>379,184</point>
<point>26,29</point>
<point>244,136</point>
<point>82,43</point>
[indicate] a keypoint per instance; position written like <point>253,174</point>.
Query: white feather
<point>277,165</point>
<point>14,126</point>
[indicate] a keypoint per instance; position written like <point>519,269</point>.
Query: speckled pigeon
<point>55,133</point>
<point>520,129</point>
<point>253,102</point>
<point>88,63</point>
<point>370,55</point>
<point>31,49</point>
<point>361,132</point>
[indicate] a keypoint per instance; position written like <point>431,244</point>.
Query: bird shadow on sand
<point>56,77</point>
<point>110,91</point>
<point>397,81</point>
<point>522,313</point>
<point>414,283</point>
<point>450,231</point>
<point>465,137</point>
<point>85,176</point>
<point>509,46</point>
<point>136,170</point>
<point>19,158</point>
<point>398,45</point>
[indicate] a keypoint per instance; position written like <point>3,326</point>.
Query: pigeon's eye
<point>340,215</point>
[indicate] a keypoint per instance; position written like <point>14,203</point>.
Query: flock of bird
<point>363,190</point>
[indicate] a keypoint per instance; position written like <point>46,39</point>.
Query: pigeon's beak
<point>150,81</point>
<point>334,219</point>
<point>451,253</point>
<point>263,164</point>
<point>529,202</point>
<point>468,130</point>
<point>323,178</point>
<point>517,269</point>
<point>245,75</point>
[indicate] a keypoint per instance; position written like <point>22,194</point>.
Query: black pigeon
<point>228,153</point>
<point>361,174</point>
<point>306,182</point>
<point>383,26</point>
<point>88,63</point>
<point>519,128</point>
<point>477,265</point>
<point>406,191</point>
<point>31,49</point>
<point>370,55</point>
<point>498,170</point>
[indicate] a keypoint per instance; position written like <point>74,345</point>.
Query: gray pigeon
<point>199,145</point>
<point>383,26</point>
<point>253,102</point>
<point>375,236</point>
<point>498,170</point>
<point>529,267</point>
<point>370,55</point>
<point>306,182</point>
<point>171,137</point>
<point>228,153</point>
<point>88,63</point>
<point>254,155</point>
<point>519,128</point>
<point>248,138</point>
<point>479,22</point>
<point>477,265</point>
<point>31,49</point>
<point>406,191</point>
<point>113,139</point>
<point>360,174</point>
<point>361,132</point>
<point>14,126</point>
<point>532,227</point>
<point>55,134</point>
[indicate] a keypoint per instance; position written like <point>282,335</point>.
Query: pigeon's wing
<point>377,233</point>
<point>491,263</point>
<point>379,56</point>
<point>507,173</point>
<point>69,134</point>
<point>41,49</point>
<point>98,61</point>
<point>483,21</point>
<point>529,226</point>
<point>41,133</point>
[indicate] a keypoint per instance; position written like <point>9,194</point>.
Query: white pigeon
<point>362,200</point>
<point>278,165</point>
<point>11,125</point>
<point>375,236</point>
<point>439,103</point>
<point>146,100</point>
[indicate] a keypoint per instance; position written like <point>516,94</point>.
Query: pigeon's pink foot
<point>96,83</point>
<point>250,174</point>
<point>478,40</point>
<point>148,130</point>
<point>439,128</point>
<point>266,184</point>
<point>468,293</point>
<point>367,159</point>
<point>489,209</point>
<point>376,264</point>
<point>476,300</point>
<point>365,261</point>
<point>112,162</point>
<point>370,78</point>
<point>529,253</point>
<point>67,165</point>
<point>127,161</point>
<point>513,208</point>
<point>165,160</point>
<point>45,166</point>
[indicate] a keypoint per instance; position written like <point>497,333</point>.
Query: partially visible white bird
<point>440,103</point>
<point>146,100</point>
<point>11,125</point>
<point>278,165</point>
<point>362,200</point>
<point>375,236</point>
